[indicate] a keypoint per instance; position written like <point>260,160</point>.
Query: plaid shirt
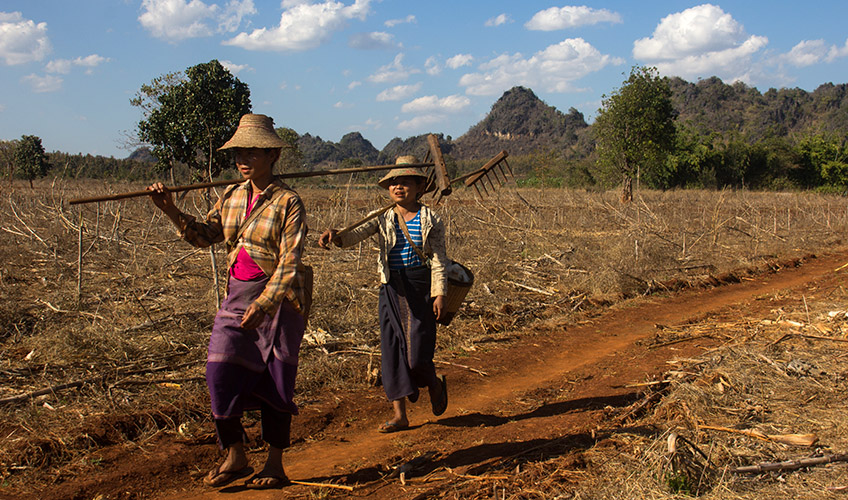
<point>274,240</point>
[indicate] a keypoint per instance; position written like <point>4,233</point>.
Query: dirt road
<point>556,382</point>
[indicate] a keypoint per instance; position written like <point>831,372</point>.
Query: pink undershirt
<point>244,268</point>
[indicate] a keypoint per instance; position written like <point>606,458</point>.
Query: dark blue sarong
<point>407,333</point>
<point>244,367</point>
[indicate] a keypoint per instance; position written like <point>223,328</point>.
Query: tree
<point>291,158</point>
<point>187,117</point>
<point>7,157</point>
<point>30,158</point>
<point>635,128</point>
<point>824,160</point>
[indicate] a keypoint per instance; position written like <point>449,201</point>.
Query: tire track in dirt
<point>489,418</point>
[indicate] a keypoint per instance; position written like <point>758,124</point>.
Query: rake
<point>440,186</point>
<point>202,185</point>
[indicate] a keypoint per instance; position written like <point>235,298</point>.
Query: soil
<point>557,381</point>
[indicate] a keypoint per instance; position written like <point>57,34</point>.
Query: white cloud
<point>429,104</point>
<point>806,53</point>
<point>40,84</point>
<point>175,20</point>
<point>234,13</point>
<point>342,105</point>
<point>22,40</point>
<point>372,41</point>
<point>571,16</point>
<point>410,19</point>
<point>236,68</point>
<point>369,124</point>
<point>398,92</point>
<point>64,66</point>
<point>552,69</point>
<point>498,20</point>
<point>837,52</point>
<point>419,122</point>
<point>702,40</point>
<point>431,110</point>
<point>432,66</point>
<point>459,60</point>
<point>352,85</point>
<point>392,72</point>
<point>303,25</point>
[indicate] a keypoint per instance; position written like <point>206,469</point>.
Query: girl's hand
<point>252,317</point>
<point>439,306</point>
<point>326,237</point>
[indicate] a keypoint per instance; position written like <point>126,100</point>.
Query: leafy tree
<point>187,117</point>
<point>291,158</point>
<point>635,128</point>
<point>7,157</point>
<point>824,159</point>
<point>30,158</point>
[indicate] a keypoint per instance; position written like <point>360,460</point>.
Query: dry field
<point>105,314</point>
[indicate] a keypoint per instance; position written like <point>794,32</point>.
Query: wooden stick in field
<point>202,185</point>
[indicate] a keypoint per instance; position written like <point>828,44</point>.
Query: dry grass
<point>781,376</point>
<point>134,327</point>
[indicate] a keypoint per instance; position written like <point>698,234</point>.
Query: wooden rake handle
<point>202,185</point>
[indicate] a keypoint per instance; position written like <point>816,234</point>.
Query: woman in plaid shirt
<point>253,350</point>
<point>412,295</point>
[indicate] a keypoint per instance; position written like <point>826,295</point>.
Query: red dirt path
<point>554,382</point>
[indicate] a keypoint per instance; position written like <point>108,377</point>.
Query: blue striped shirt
<point>403,255</point>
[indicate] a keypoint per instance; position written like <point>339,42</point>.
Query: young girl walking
<point>412,295</point>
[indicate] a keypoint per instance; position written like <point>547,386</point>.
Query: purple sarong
<point>244,367</point>
<point>407,333</point>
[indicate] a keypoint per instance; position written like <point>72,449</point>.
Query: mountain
<point>317,151</point>
<point>521,123</point>
<point>142,154</point>
<point>711,106</point>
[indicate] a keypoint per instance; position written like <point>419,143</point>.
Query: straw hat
<point>402,172</point>
<point>254,131</point>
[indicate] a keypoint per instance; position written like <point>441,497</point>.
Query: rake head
<point>493,173</point>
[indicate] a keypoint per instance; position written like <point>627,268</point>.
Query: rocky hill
<point>712,106</point>
<point>521,123</point>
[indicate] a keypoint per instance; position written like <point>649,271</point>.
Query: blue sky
<point>387,68</point>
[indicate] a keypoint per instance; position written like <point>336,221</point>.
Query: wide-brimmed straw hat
<point>402,172</point>
<point>254,131</point>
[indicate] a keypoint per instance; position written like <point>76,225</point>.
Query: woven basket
<point>457,290</point>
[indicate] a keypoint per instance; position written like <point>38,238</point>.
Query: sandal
<point>389,427</point>
<point>440,405</point>
<point>218,478</point>
<point>277,481</point>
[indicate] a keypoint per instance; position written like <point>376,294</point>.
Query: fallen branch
<point>791,464</point>
<point>793,439</point>
<point>461,366</point>
<point>526,287</point>
<point>324,485</point>
<point>92,380</point>
<point>677,341</point>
